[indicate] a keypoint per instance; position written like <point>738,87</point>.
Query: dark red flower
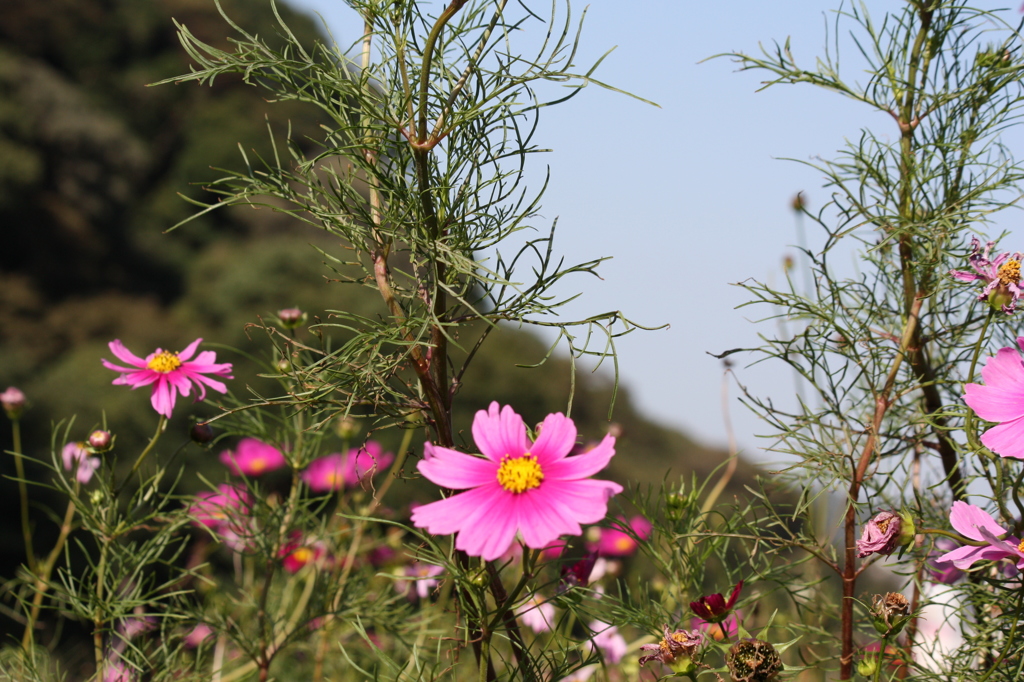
<point>578,574</point>
<point>714,608</point>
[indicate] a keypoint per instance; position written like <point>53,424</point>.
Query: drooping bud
<point>13,401</point>
<point>201,433</point>
<point>753,660</point>
<point>290,318</point>
<point>100,441</point>
<point>347,428</point>
<point>890,613</point>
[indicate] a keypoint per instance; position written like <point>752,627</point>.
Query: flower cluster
<point>1001,276</point>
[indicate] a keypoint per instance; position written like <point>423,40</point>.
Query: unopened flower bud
<point>480,578</point>
<point>283,366</point>
<point>753,660</point>
<point>13,402</point>
<point>100,441</point>
<point>201,433</point>
<point>890,613</point>
<point>291,318</point>
<point>867,666</point>
<point>347,428</point>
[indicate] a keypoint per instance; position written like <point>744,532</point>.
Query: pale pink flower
<point>537,614</point>
<point>608,641</point>
<point>225,512</point>
<point>253,457</point>
<point>1001,399</point>
<point>977,524</point>
<point>76,458</point>
<point>424,576</point>
<point>13,402</point>
<point>618,541</point>
<point>1001,276</point>
<point>346,470</point>
<point>169,373</point>
<point>533,489</point>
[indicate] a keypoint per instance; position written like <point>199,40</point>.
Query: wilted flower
<point>714,608</point>
<point>616,541</point>
<point>578,573</point>
<point>169,373</point>
<point>890,613</point>
<point>77,458</point>
<point>253,457</point>
<point>1001,399</point>
<point>536,613</point>
<point>885,532</point>
<point>976,524</point>
<point>532,489</point>
<point>13,402</point>
<point>1001,276</point>
<point>753,660</point>
<point>678,650</point>
<point>608,641</point>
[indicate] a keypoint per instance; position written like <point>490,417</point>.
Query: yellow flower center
<point>302,555</point>
<point>624,544</point>
<point>1009,272</point>
<point>519,474</point>
<point>1020,547</point>
<point>165,361</point>
<point>257,465</point>
<point>883,525</point>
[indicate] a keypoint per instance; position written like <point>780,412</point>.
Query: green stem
<point>1009,638</point>
<point>19,467</point>
<point>161,424</point>
<point>43,577</point>
<point>883,645</point>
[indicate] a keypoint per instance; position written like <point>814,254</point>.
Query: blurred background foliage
<point>91,166</point>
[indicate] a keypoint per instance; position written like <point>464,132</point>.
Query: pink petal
<point>448,516</point>
<point>1004,369</point>
<point>137,378</point>
<point>212,383</point>
<point>964,557</point>
<point>499,432</point>
<point>125,355</point>
<point>582,466</point>
<point>543,518</point>
<point>964,276</point>
<point>967,519</point>
<point>163,398</point>
<point>492,531</point>
<point>179,381</point>
<point>994,403</point>
<point>556,440</point>
<point>1006,439</point>
<point>189,350</point>
<point>586,500</point>
<point>451,469</point>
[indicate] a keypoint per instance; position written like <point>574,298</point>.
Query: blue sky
<point>692,196</point>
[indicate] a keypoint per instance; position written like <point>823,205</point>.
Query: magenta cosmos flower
<point>253,457</point>
<point>533,489</point>
<point>1001,399</point>
<point>345,470</point>
<point>621,538</point>
<point>977,524</point>
<point>168,372</point>
<point>1001,276</point>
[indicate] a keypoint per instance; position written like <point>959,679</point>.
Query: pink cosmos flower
<point>1001,399</point>
<point>253,457</point>
<point>532,489</point>
<point>225,512</point>
<point>536,613</point>
<point>1001,276</point>
<point>943,572</point>
<point>608,641</point>
<point>976,524</point>
<point>299,551</point>
<point>346,470</point>
<point>76,458</point>
<point>169,372</point>
<point>425,579</point>
<point>616,541</point>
